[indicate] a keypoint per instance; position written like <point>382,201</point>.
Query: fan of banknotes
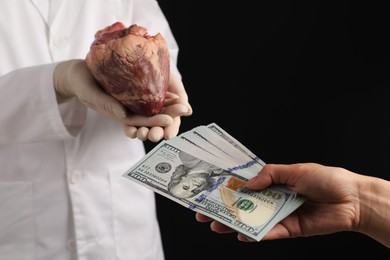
<point>205,169</point>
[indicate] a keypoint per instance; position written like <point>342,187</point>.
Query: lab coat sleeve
<point>148,13</point>
<point>29,109</point>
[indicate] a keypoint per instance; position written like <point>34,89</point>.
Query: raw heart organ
<point>132,66</point>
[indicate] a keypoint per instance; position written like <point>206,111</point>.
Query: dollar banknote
<point>205,170</point>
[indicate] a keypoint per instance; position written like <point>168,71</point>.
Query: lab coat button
<point>71,245</point>
<point>60,42</point>
<point>75,177</point>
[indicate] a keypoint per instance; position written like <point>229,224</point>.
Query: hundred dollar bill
<point>210,189</point>
<point>234,142</point>
<point>187,145</point>
<point>227,149</point>
<point>220,148</point>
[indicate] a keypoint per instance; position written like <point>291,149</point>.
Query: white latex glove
<point>73,79</point>
<point>176,105</point>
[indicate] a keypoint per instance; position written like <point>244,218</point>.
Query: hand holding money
<point>205,170</point>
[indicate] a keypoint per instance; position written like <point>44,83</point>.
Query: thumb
<point>105,104</point>
<point>72,78</point>
<point>93,96</point>
<point>269,174</point>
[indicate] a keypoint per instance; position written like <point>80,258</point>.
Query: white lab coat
<point>62,194</point>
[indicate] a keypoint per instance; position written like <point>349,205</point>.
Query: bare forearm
<point>375,209</point>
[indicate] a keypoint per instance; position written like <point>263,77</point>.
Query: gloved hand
<point>73,79</point>
<point>176,105</point>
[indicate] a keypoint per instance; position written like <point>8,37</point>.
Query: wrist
<point>374,194</point>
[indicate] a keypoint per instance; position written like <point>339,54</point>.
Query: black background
<point>294,81</point>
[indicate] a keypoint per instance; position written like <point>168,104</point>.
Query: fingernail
<point>189,111</point>
<point>212,226</point>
